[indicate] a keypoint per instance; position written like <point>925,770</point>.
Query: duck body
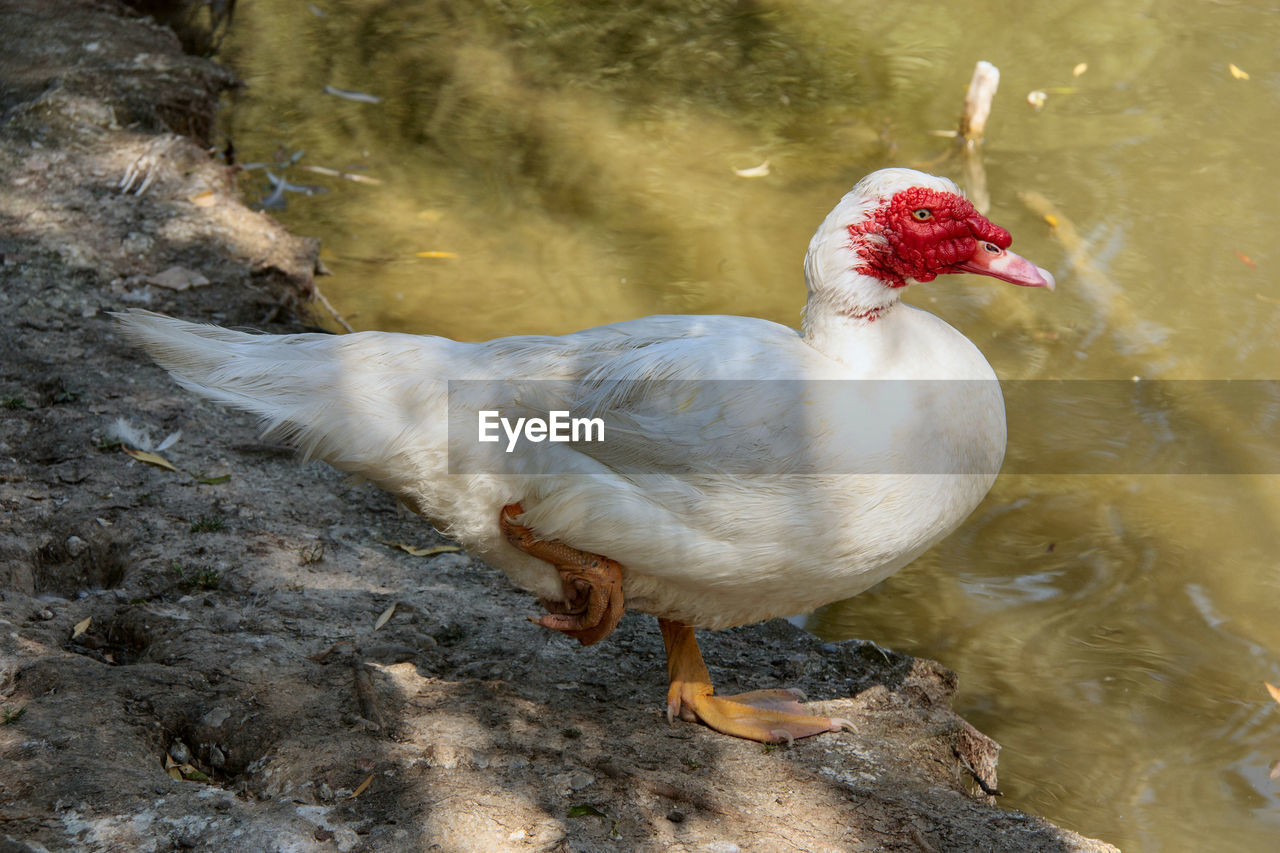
<point>745,470</point>
<point>773,514</point>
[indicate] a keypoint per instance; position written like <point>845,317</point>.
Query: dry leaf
<point>435,254</point>
<point>1237,72</point>
<point>1079,69</point>
<point>1246,260</point>
<point>204,199</point>
<point>385,617</point>
<point>585,810</point>
<point>1037,98</point>
<point>1273,690</point>
<point>352,95</point>
<point>754,172</point>
<point>439,549</point>
<point>150,458</point>
<point>81,627</point>
<point>177,278</point>
<point>363,786</point>
<point>422,552</point>
<point>1051,219</point>
<point>334,173</point>
<point>189,773</point>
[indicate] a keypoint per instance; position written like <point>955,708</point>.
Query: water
<point>565,166</point>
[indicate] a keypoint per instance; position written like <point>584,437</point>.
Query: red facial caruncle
<point>926,233</point>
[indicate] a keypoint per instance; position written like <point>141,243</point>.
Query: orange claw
<point>592,583</point>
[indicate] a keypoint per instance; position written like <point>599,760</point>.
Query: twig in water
<point>973,123</point>
<point>333,312</point>
<point>987,789</point>
<point>977,103</point>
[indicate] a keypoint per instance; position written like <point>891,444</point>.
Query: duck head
<point>898,227</point>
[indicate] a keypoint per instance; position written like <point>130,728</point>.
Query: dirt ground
<point>194,659</point>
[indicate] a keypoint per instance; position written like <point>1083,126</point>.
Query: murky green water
<point>565,165</point>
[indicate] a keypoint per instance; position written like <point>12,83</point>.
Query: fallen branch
<point>973,124</point>
<point>364,692</point>
<point>977,103</point>
<point>333,312</point>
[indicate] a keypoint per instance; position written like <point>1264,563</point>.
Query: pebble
<point>180,753</point>
<point>580,780</point>
<point>722,847</point>
<point>215,718</point>
<point>76,546</point>
<point>345,839</point>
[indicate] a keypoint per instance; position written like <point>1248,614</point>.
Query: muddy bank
<point>192,658</point>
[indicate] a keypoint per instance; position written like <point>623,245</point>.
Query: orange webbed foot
<point>768,716</point>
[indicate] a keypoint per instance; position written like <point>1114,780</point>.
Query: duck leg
<point>592,583</point>
<point>769,716</point>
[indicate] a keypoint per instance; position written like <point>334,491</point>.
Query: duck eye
<point>922,214</point>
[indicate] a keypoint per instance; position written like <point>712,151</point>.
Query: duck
<point>712,471</point>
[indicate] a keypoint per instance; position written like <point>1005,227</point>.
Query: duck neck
<point>819,311</point>
<point>847,295</point>
<point>851,335</point>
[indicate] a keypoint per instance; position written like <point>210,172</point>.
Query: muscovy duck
<point>742,470</point>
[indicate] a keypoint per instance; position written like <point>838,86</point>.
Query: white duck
<point>707,503</point>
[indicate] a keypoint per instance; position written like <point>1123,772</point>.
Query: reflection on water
<point>546,167</point>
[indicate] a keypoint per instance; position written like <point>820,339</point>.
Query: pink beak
<point>999,263</point>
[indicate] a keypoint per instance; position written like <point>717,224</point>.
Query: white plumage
<point>743,475</point>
